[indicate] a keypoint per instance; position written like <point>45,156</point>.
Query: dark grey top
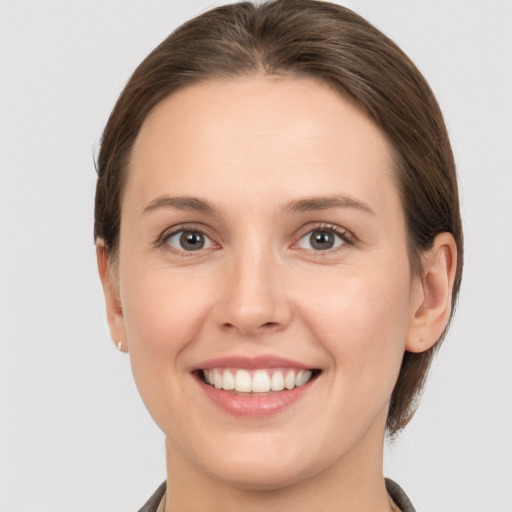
<point>153,502</point>
<point>395,491</point>
<point>398,496</point>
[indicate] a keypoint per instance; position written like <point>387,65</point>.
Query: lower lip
<point>260,405</point>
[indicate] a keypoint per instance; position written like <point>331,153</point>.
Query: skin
<point>250,147</point>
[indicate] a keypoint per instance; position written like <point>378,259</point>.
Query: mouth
<point>256,382</point>
<point>255,386</point>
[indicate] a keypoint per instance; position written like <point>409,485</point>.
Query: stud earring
<point>120,346</point>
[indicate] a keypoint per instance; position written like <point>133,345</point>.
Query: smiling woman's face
<point>263,243</point>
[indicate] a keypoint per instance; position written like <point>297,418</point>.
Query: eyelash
<point>163,239</point>
<point>346,237</point>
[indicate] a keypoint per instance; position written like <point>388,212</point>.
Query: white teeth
<point>289,380</point>
<point>258,381</point>
<point>304,377</point>
<point>243,381</point>
<point>228,381</point>
<point>217,379</point>
<point>277,381</point>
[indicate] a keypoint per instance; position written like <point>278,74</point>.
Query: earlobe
<point>433,294</point>
<point>112,301</point>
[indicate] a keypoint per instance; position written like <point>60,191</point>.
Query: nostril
<point>267,324</point>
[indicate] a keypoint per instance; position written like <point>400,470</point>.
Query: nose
<point>253,299</point>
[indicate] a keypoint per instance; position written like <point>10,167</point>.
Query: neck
<point>354,482</point>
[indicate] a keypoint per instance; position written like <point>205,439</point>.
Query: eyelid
<point>174,230</point>
<point>347,237</point>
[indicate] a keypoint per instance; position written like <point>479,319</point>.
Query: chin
<point>261,476</point>
<point>261,466</point>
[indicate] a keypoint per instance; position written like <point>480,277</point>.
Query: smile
<point>256,381</point>
<point>255,386</point>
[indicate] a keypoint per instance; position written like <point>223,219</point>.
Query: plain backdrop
<point>75,435</point>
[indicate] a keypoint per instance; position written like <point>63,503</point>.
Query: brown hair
<point>335,46</point>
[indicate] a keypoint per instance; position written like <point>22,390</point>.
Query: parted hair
<point>332,44</point>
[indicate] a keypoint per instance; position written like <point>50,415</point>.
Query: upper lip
<point>251,363</point>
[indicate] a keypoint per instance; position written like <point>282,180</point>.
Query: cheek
<point>161,309</point>
<point>162,315</point>
<point>361,318</point>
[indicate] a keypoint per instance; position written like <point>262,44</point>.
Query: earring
<point>120,346</point>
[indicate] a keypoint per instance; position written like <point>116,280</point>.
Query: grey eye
<point>321,240</point>
<point>189,240</point>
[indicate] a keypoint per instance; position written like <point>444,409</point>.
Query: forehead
<point>241,135</point>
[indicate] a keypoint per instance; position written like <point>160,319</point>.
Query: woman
<point>279,241</point>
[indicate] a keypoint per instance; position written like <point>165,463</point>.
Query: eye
<point>189,240</point>
<point>322,239</point>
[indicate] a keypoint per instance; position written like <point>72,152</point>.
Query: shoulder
<point>398,496</point>
<point>153,502</point>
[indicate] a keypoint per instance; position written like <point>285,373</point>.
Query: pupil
<point>192,240</point>
<point>322,240</point>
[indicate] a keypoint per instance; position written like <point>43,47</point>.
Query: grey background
<point>74,435</point>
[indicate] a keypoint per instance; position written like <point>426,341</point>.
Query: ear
<point>432,294</point>
<point>111,290</point>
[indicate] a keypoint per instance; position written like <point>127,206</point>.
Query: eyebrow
<point>181,203</point>
<point>303,205</point>
<point>315,203</point>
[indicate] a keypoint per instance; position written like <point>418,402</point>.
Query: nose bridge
<point>253,300</point>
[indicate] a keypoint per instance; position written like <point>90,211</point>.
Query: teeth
<point>243,381</point>
<point>304,377</point>
<point>277,381</point>
<point>289,380</point>
<point>228,381</point>
<point>258,381</point>
<point>217,379</point>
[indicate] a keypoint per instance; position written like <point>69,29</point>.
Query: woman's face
<point>263,244</point>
